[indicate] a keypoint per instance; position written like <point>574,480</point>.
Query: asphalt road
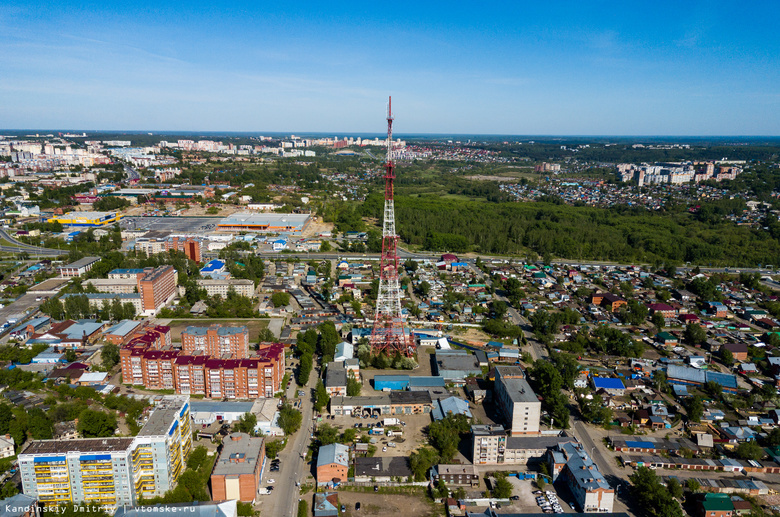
<point>283,501</point>
<point>605,463</point>
<point>132,174</point>
<point>19,247</point>
<point>20,306</point>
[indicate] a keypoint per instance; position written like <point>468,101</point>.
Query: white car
<point>271,481</point>
<point>384,449</point>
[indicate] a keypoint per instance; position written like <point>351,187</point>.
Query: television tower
<point>388,334</point>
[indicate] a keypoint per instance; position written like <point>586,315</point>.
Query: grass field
<point>255,325</point>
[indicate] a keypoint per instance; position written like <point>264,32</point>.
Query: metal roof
<point>333,453</point>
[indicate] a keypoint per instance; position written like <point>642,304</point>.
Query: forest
<point>580,233</point>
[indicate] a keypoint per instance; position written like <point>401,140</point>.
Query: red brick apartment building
<point>247,378</point>
<point>149,360</point>
<point>156,287</point>
<point>131,354</point>
<point>216,341</point>
<point>189,246</point>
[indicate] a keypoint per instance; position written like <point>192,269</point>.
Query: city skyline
<point>610,69</point>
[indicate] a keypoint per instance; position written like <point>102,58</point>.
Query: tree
<point>348,435</point>
<point>726,356</point>
<point>773,439</point>
<point>327,434</point>
<point>444,435</point>
<point>424,288</point>
<point>652,495</point>
<point>280,299</point>
<point>695,409</point>
<point>502,489</point>
<point>39,425</point>
<point>304,369</point>
<point>266,336</point>
<point>713,389</point>
<point>325,247</point>
<point>658,320</point>
<point>675,488</point>
<point>110,355</point>
<point>273,448</point>
<point>353,387</point>
<point>96,424</point>
<point>246,424</point>
<point>289,419</point>
<point>594,411</point>
<point>421,461</point>
<point>695,334</point>
<point>749,450</point>
<point>692,485</point>
<point>321,397</point>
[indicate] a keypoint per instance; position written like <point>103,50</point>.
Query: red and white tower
<point>389,334</point>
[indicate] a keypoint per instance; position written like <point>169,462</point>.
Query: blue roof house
<point>611,385</point>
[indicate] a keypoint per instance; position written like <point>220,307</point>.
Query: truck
<point>394,433</point>
<point>391,421</point>
<point>376,430</point>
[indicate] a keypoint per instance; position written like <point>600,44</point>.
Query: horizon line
<point>155,132</point>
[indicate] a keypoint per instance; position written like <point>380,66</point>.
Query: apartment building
<point>215,287</point>
<point>115,286</point>
<point>135,274</point>
<point>157,337</point>
<point>517,401</point>
<point>157,287</point>
<point>488,444</point>
<point>492,446</point>
<point>590,489</point>
<point>200,374</point>
<point>78,268</point>
<point>152,246</point>
<point>248,378</point>
<point>236,474</point>
<point>216,341</point>
<point>111,472</point>
<point>189,246</point>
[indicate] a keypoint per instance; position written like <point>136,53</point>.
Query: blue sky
<point>569,68</point>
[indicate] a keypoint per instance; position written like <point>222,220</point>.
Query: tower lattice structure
<point>389,334</point>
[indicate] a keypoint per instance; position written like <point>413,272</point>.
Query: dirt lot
<point>316,227</point>
<point>382,505</point>
<point>255,325</point>
<point>411,439</point>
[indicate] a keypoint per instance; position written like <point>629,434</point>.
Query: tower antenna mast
<point>389,334</point>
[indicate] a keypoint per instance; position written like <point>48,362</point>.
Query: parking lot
<point>171,224</point>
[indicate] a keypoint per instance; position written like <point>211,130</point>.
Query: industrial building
<point>111,472</point>
<point>206,412</point>
<point>332,463</point>
<point>86,219</point>
<point>265,222</point>
<point>236,474</point>
<point>456,365</point>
